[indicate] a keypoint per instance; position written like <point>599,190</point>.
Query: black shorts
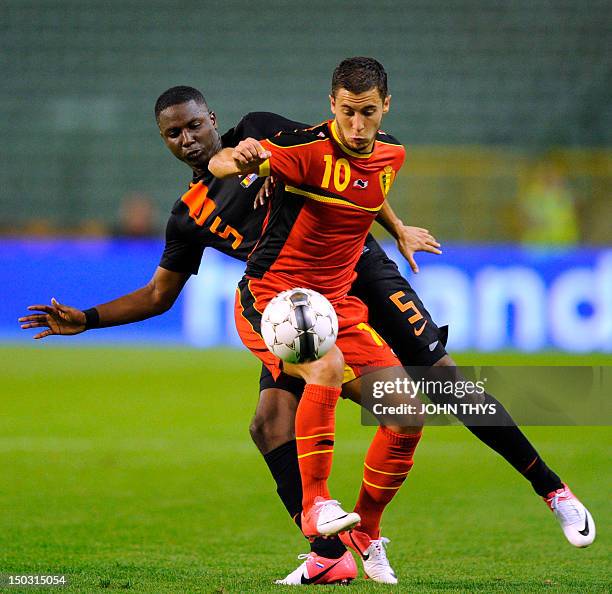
<point>395,312</point>
<point>292,384</point>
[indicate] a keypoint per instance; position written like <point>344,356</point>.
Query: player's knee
<point>326,371</point>
<point>329,370</point>
<point>259,434</point>
<point>410,423</point>
<point>269,429</point>
<point>256,430</point>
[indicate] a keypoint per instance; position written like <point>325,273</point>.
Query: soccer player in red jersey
<point>336,178</point>
<point>218,214</point>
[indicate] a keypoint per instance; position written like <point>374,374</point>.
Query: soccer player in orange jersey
<point>336,178</point>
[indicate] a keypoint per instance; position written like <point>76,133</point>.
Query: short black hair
<point>358,75</point>
<point>176,96</point>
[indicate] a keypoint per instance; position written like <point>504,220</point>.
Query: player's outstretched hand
<point>56,318</point>
<point>249,152</point>
<point>415,239</point>
<point>264,192</point>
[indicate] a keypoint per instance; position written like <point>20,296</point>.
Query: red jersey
<point>318,225</point>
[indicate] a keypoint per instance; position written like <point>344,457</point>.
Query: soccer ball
<point>299,325</point>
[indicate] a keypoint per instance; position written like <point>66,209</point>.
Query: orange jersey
<point>318,225</point>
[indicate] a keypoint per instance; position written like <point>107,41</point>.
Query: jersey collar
<point>345,148</point>
<point>205,178</point>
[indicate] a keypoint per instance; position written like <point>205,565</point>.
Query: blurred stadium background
<point>505,109</point>
<point>114,459</point>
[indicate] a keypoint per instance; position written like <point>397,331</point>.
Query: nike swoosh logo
<point>312,580</point>
<point>585,532</point>
<point>419,331</point>
<point>433,345</point>
<point>363,555</point>
<point>334,520</point>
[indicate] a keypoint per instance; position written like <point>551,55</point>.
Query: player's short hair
<point>358,75</point>
<point>176,96</point>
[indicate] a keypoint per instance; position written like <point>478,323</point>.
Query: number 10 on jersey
<point>341,170</point>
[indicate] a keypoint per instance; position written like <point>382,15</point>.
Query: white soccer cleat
<point>326,518</point>
<point>321,570</point>
<point>372,553</point>
<point>375,562</point>
<point>576,521</point>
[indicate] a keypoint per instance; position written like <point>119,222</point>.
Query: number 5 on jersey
<point>229,231</point>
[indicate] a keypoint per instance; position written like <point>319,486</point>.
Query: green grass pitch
<point>132,469</point>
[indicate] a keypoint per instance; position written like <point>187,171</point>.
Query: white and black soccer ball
<point>299,325</point>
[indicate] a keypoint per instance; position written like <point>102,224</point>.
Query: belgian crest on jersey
<point>386,179</point>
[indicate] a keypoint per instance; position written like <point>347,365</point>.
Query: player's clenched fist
<point>249,152</point>
<point>246,157</point>
<point>56,318</point>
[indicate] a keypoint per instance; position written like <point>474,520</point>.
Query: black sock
<point>510,442</point>
<point>501,433</point>
<point>330,547</point>
<point>283,464</point>
<point>542,479</point>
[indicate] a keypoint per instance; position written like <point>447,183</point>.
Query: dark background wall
<point>79,80</point>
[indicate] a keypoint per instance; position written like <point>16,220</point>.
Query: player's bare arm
<point>409,239</point>
<point>245,157</point>
<point>156,297</point>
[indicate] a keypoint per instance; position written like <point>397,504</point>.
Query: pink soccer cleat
<point>321,570</point>
<point>326,518</point>
<point>357,540</point>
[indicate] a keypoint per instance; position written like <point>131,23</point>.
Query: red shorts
<point>360,344</point>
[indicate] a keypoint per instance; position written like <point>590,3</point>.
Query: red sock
<point>386,467</point>
<point>314,433</point>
